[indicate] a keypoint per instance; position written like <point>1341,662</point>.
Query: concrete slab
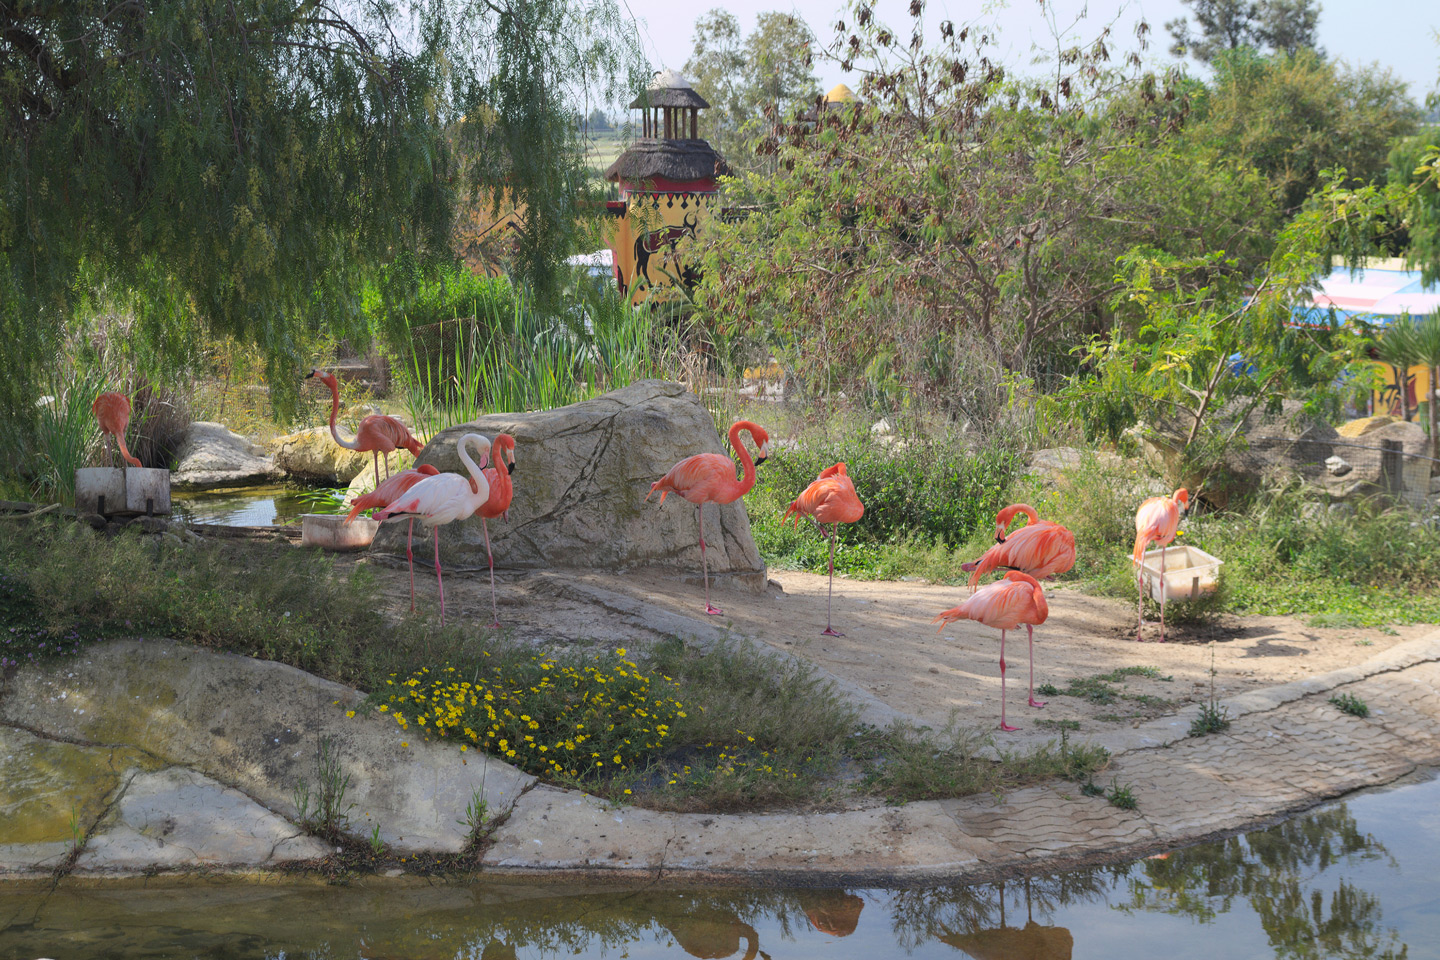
<point>182,819</point>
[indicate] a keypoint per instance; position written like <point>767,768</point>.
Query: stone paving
<point>140,748</point>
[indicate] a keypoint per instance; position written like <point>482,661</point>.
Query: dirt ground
<point>891,649</point>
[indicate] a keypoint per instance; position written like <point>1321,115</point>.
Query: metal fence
<point>1349,469</point>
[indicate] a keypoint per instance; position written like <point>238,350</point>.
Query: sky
<point>1399,34</point>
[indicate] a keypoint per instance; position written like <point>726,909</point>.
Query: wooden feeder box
<point>111,491</point>
<point>329,531</point>
<point>1189,573</point>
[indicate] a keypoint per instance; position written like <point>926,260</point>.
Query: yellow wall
<point>673,214</point>
<point>1387,398</point>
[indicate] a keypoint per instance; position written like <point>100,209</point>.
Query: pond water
<point>259,506</point>
<point>1348,880</point>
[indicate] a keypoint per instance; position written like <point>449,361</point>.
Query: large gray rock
<point>581,476</point>
<point>252,725</point>
<point>1365,456</point>
<point>212,455</point>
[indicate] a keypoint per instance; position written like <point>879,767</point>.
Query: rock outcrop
<point>212,455</point>
<point>313,455</point>
<point>581,476</point>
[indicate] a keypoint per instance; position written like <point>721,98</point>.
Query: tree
<point>742,78</point>
<point>1286,26</point>
<point>1293,117</point>
<point>259,160</point>
<point>955,212</point>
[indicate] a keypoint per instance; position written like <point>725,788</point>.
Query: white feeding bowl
<point>329,531</point>
<point>1189,573</point>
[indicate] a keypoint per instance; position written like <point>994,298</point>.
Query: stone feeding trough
<point>329,531</point>
<point>1190,573</point>
<point>112,491</point>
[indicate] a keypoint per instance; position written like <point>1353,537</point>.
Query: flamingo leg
<point>1163,591</point>
<point>830,631</point>
<point>439,579</point>
<point>491,557</point>
<point>1033,702</point>
<point>374,455</point>
<point>1140,602</point>
<point>1003,725</point>
<point>410,555</point>
<point>710,609</point>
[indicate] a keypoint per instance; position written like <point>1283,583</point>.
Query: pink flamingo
<point>1005,604</point>
<point>385,494</point>
<point>501,492</point>
<point>830,499</point>
<point>710,478</point>
<point>378,433</point>
<point>1156,522</point>
<point>1041,548</point>
<point>113,412</point>
<point>441,499</point>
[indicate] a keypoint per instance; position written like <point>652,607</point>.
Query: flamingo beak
<point>999,538</point>
<point>512,467</point>
<point>308,375</point>
<point>764,453</point>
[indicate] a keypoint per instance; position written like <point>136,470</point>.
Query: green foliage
<point>249,165</point>
<point>488,347</point>
<point>1122,798</point>
<point>742,78</point>
<point>1212,719</point>
<point>1294,116</point>
<point>1351,704</point>
<point>1195,358</point>
<point>930,494</point>
<point>1222,26</point>
<point>324,811</point>
<point>953,210</point>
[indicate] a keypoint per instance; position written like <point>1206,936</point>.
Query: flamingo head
<point>1182,498</point>
<point>1004,518</point>
<point>427,469</point>
<point>326,378</point>
<point>414,446</point>
<point>506,445</point>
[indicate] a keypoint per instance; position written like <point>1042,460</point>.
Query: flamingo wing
<point>1155,522</point>
<point>113,412</point>
<point>703,478</point>
<point>438,499</point>
<point>1041,549</point>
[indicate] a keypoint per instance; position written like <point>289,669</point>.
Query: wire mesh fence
<point>1352,469</point>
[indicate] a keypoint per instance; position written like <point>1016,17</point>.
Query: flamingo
<point>710,478</point>
<point>113,412</point>
<point>830,499</point>
<point>498,505</point>
<point>1041,548</point>
<point>441,499</point>
<point>385,494</point>
<point>1156,522</point>
<point>1005,604</point>
<point>378,433</point>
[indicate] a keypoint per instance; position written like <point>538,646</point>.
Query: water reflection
<point>1349,881</point>
<point>258,506</point>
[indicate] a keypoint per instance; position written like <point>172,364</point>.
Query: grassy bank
<point>930,506</point>
<point>673,727</point>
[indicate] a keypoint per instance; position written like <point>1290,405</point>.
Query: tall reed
<point>66,435</point>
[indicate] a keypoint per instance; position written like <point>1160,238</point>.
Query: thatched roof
<point>671,159</point>
<point>669,89</point>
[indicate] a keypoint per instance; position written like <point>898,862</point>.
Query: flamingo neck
<point>476,474</point>
<point>747,465</point>
<point>1018,510</point>
<point>334,386</point>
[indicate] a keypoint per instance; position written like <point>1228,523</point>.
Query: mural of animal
<point>649,244</point>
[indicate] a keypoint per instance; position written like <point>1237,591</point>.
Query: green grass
<point>1351,704</point>
<point>745,729</point>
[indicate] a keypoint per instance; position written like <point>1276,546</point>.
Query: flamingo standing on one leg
<point>710,478</point>
<point>501,492</point>
<point>441,499</point>
<point>378,433</point>
<point>113,412</point>
<point>1041,548</point>
<point>1156,522</point>
<point>1005,604</point>
<point>384,495</point>
<point>830,499</point>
